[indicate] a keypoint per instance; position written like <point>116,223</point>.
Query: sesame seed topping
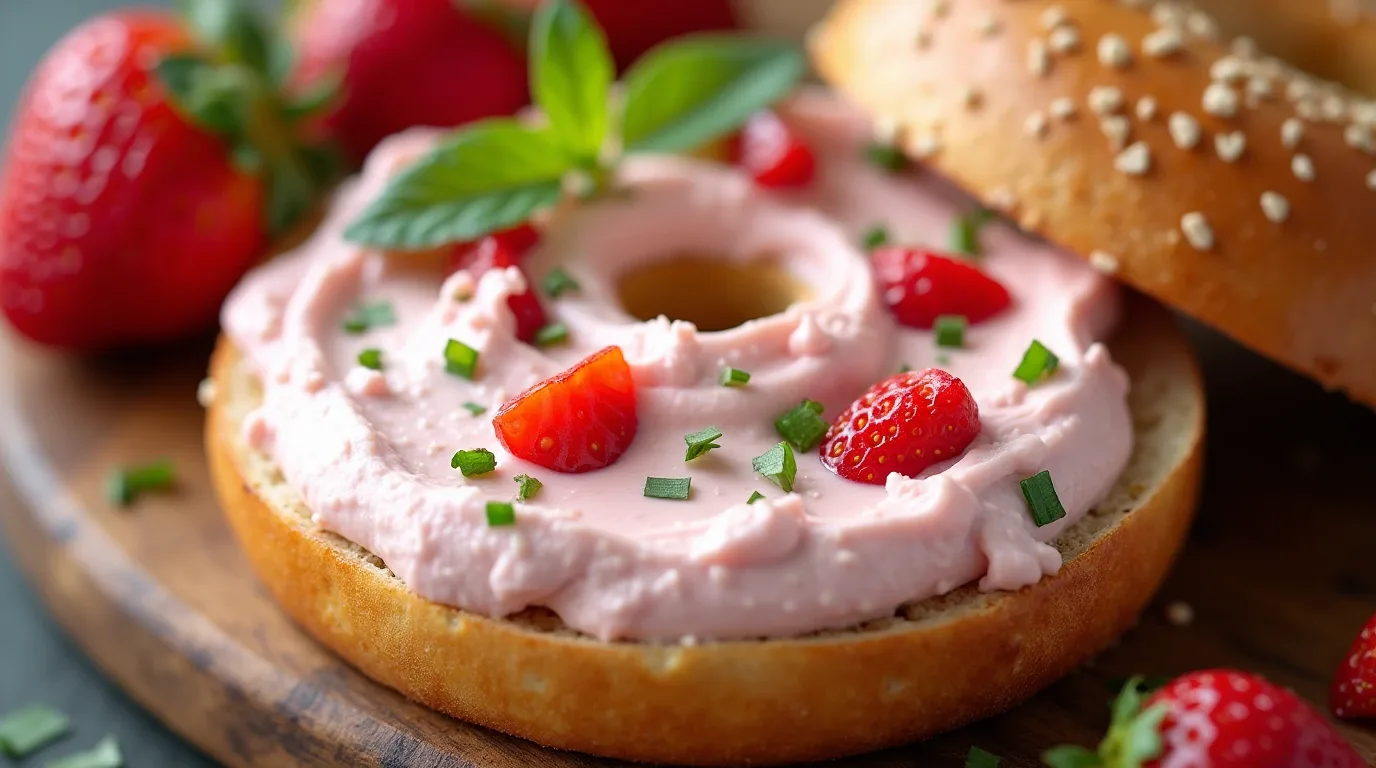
<point>1197,231</point>
<point>1105,263</point>
<point>1105,99</point>
<point>1220,100</point>
<point>1114,52</point>
<point>987,24</point>
<point>1358,136</point>
<point>1334,107</point>
<point>1184,130</point>
<point>1038,60</point>
<point>1228,69</point>
<point>1258,88</point>
<point>1167,14</point>
<point>1135,160</point>
<point>1230,146</point>
<point>1244,46</point>
<point>1146,108</point>
<point>1291,131</point>
<point>1371,180</point>
<point>1275,206</point>
<point>1116,128</point>
<point>1062,108</point>
<point>1201,25</point>
<point>1162,42</point>
<point>1302,167</point>
<point>1064,39</point>
<point>1308,109</point>
<point>1035,124</point>
<point>924,145</point>
<point>1054,17</point>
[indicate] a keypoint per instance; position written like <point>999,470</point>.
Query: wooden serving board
<point>1280,572</point>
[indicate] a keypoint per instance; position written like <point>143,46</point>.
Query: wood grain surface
<point>1279,572</point>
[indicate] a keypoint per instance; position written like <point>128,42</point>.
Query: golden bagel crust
<point>983,90</point>
<point>942,663</point>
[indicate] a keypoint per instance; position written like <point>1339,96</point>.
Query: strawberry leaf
<point>232,29</point>
<point>1071,757</point>
<point>571,76</point>
<point>687,92</point>
<point>486,176</point>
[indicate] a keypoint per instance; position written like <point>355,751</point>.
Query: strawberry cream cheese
<point>369,451</point>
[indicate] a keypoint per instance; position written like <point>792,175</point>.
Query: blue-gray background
<point>37,662</point>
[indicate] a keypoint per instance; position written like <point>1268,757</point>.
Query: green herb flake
<point>477,409</point>
<point>558,283</point>
<point>1038,363</point>
<point>874,237</point>
<point>527,487</point>
<point>905,368</point>
<point>676,488</point>
<point>460,359</point>
<point>126,484</point>
<point>754,497</point>
<point>777,465</point>
<point>965,231</point>
<point>1042,500</point>
<point>478,461</point>
<point>500,513</point>
<point>554,333</point>
<point>950,331</point>
<point>701,442</point>
<point>366,317</point>
<point>733,377</point>
<point>886,156</point>
<point>803,426</point>
<point>29,729</point>
<point>978,758</point>
<point>105,754</point>
<point>371,358</point>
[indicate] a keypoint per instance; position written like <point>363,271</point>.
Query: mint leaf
<point>486,176</point>
<point>687,92</point>
<point>571,75</point>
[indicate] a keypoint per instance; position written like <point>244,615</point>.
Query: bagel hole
<point>713,294</point>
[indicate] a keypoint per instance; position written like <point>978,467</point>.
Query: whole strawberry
<point>405,63</point>
<point>1353,695</point>
<point>635,26</point>
<point>1216,718</point>
<point>149,163</point>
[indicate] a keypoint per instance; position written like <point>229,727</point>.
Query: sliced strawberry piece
<point>576,421</point>
<point>903,424</point>
<point>1353,694</point>
<point>499,251</point>
<point>772,154</point>
<point>920,286</point>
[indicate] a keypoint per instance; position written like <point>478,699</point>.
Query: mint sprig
<point>497,173</point>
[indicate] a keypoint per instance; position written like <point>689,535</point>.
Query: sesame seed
<point>1197,231</point>
<point>1258,88</point>
<point>1135,160</point>
<point>987,24</point>
<point>1200,25</point>
<point>924,145</point>
<point>1298,88</point>
<point>1307,109</point>
<point>1035,124</point>
<point>1054,17</point>
<point>1162,42</point>
<point>1275,206</point>
<point>1146,108</point>
<point>1302,167</point>
<point>1230,146</point>
<point>1244,46</point>
<point>1180,614</point>
<point>1002,199</point>
<point>1334,107</point>
<point>969,96</point>
<point>1184,130</point>
<point>1291,131</point>
<point>1371,180</point>
<point>1038,60</point>
<point>1359,137</point>
<point>1220,100</point>
<point>1064,39</point>
<point>1116,128</point>
<point>1227,69</point>
<point>1062,108</point>
<point>1114,52</point>
<point>1105,99</point>
<point>1105,263</point>
<point>1167,14</point>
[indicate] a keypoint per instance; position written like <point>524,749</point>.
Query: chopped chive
<point>528,487</point>
<point>476,409</point>
<point>950,330</point>
<point>733,377</point>
<point>371,358</point>
<point>943,359</point>
<point>978,758</point>
<point>554,333</point>
<point>965,231</point>
<point>668,487</point>
<point>366,317</point>
<point>1038,363</point>
<point>125,484</point>
<point>29,729</point>
<point>886,156</point>
<point>500,513</point>
<point>460,359</point>
<point>875,236</point>
<point>905,368</point>
<point>754,497</point>
<point>777,465</point>
<point>1041,498</point>
<point>803,426</point>
<point>105,754</point>
<point>701,442</point>
<point>478,461</point>
<point>558,282</point>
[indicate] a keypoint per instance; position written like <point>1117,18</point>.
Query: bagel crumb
<point>1105,263</point>
<point>1275,207</point>
<point>1038,60</point>
<point>1114,52</point>
<point>1146,108</point>
<point>1162,42</point>
<point>1371,180</point>
<point>1135,160</point>
<point>1230,146</point>
<point>1180,614</point>
<point>1117,129</point>
<point>1184,130</point>
<point>1105,99</point>
<point>1054,17</point>
<point>987,24</point>
<point>1197,231</point>
<point>1220,100</point>
<point>1064,39</point>
<point>1035,124</point>
<point>1291,131</point>
<point>205,392</point>
<point>1302,167</point>
<point>1062,108</point>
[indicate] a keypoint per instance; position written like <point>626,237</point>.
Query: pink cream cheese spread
<point>369,451</point>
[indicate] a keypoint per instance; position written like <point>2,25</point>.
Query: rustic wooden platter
<point>1280,572</point>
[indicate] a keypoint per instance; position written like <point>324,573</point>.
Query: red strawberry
<point>903,424</point>
<point>576,421</point>
<point>772,154</point>
<point>920,286</point>
<point>1214,719</point>
<point>1353,694</point>
<point>122,220</point>
<point>635,26</point>
<point>498,251</point>
<point>405,63</point>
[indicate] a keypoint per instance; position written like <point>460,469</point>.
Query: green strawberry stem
<point>1133,739</point>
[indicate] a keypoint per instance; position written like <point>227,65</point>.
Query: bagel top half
<point>1196,169</point>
